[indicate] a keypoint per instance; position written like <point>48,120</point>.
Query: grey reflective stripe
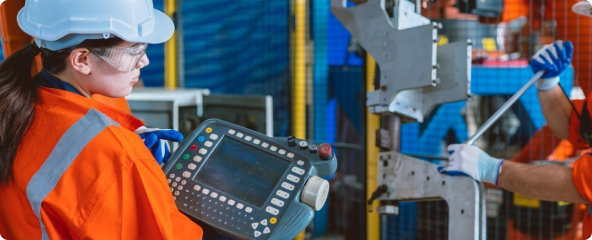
<point>63,154</point>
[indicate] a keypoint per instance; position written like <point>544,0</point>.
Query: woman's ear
<point>80,60</point>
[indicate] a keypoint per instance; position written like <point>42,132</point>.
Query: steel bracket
<point>411,179</point>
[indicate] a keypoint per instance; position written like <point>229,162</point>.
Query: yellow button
<point>273,220</point>
<point>208,130</point>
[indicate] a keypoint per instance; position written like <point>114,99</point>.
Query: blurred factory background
<point>291,68</point>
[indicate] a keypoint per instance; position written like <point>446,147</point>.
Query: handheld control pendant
<point>248,185</point>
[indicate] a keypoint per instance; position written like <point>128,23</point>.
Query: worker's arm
<point>551,183</point>
<point>557,110</point>
<point>136,202</point>
<point>553,59</point>
<point>544,182</point>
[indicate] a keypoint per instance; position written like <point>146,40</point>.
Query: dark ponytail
<point>18,95</point>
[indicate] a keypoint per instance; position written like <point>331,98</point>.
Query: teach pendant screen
<point>242,171</point>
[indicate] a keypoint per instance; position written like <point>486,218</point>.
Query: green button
<point>179,166</point>
<point>186,156</point>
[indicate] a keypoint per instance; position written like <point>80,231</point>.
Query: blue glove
<point>554,59</point>
<point>156,141</point>
<point>471,161</point>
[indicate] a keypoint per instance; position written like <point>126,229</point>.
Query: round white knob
<point>315,192</point>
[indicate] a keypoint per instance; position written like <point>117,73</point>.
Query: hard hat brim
<point>583,8</point>
<point>162,31</point>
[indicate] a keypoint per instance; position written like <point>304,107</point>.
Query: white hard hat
<point>583,8</point>
<point>59,24</point>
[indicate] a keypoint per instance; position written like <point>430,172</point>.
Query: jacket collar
<point>71,100</point>
<point>45,79</point>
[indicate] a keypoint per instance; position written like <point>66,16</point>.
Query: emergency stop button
<point>325,151</point>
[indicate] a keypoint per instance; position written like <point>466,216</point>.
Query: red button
<point>325,150</point>
<point>193,147</point>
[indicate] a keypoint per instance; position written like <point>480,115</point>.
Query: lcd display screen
<point>242,171</point>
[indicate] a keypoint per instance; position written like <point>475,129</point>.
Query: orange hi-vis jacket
<point>582,169</point>
<point>81,173</point>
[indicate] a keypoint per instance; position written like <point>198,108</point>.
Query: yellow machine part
<point>372,123</point>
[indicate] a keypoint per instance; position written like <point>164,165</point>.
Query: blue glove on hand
<point>473,162</point>
<point>554,59</point>
<point>156,141</point>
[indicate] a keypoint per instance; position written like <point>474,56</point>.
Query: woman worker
<point>71,167</point>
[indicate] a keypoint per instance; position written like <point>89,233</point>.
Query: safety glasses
<point>124,59</point>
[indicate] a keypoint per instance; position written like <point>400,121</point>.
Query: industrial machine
<point>185,109</point>
<point>249,185</point>
<point>416,75</point>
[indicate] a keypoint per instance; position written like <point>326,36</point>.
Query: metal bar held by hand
<point>504,108</point>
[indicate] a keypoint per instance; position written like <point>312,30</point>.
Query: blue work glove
<point>473,162</point>
<point>156,141</point>
<point>554,59</point>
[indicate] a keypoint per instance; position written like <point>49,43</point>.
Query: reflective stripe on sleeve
<point>63,154</point>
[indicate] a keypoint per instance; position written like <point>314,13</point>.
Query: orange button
<point>273,220</point>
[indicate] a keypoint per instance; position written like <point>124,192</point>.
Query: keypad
<point>272,210</point>
<point>298,170</point>
<point>277,202</point>
<point>293,178</point>
<point>192,166</point>
<point>288,186</point>
<point>282,194</point>
<point>224,211</point>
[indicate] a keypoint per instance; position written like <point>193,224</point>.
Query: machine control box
<point>248,185</point>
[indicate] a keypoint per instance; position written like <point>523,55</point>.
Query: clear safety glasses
<point>124,59</point>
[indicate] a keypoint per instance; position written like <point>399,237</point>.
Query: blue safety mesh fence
<point>153,74</point>
<point>239,47</point>
<point>343,118</point>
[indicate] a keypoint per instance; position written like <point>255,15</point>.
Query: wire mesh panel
<point>239,47</point>
<point>153,74</point>
<point>505,35</point>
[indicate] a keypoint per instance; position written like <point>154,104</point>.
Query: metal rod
<point>504,108</point>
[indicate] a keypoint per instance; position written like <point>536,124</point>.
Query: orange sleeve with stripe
<point>582,176</point>
<point>139,205</point>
